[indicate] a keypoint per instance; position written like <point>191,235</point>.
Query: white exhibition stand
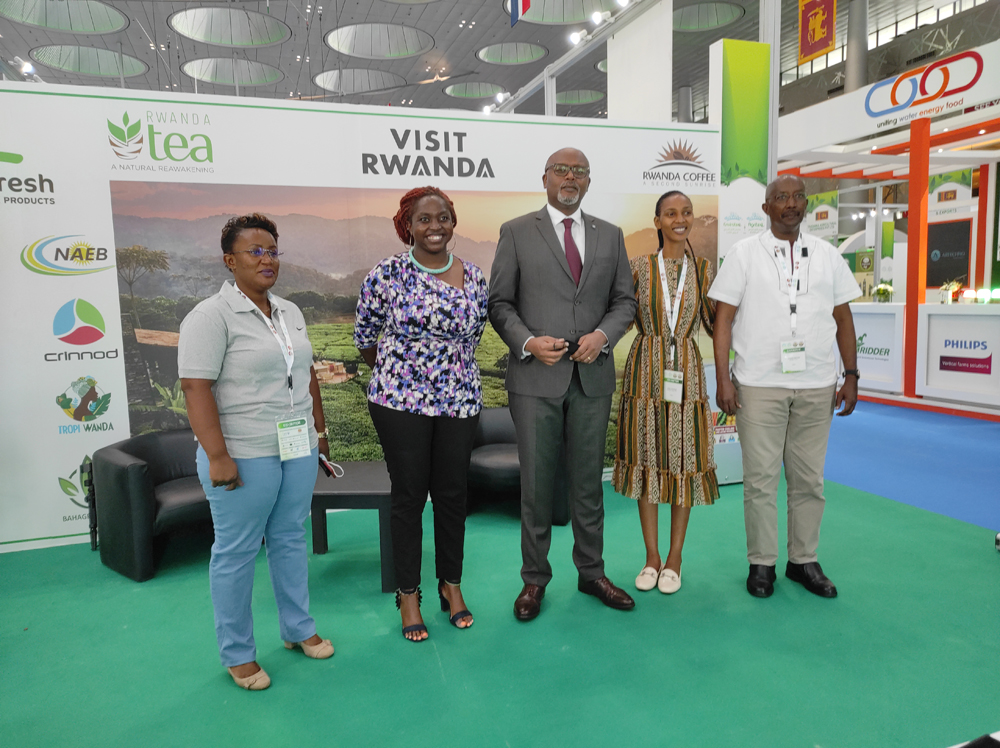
<point>956,348</point>
<point>879,330</point>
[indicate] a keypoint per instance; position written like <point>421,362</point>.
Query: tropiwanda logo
<point>952,75</point>
<point>79,323</point>
<point>679,162</point>
<point>84,402</point>
<point>54,255</point>
<point>23,184</point>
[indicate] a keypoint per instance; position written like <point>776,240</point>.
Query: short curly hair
<point>236,224</point>
<point>402,217</point>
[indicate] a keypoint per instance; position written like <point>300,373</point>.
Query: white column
<point>640,67</point>
<point>770,33</point>
<point>685,107</point>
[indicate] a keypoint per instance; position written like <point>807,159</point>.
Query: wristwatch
<point>856,373</point>
<point>322,434</point>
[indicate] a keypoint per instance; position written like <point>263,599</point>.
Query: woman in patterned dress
<point>420,316</point>
<point>665,434</point>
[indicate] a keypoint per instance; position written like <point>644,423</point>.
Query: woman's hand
<point>324,447</point>
<point>223,472</point>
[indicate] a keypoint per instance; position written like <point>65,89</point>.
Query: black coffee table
<point>365,485</point>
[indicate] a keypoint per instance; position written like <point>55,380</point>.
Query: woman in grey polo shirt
<point>253,401</point>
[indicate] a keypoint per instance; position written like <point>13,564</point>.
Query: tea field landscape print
<point>169,259</point>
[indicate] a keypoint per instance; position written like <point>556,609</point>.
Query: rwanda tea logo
<point>679,161</point>
<point>53,255</point>
<point>126,141</point>
<point>83,401</point>
<point>78,323</point>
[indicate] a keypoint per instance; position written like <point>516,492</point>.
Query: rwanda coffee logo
<point>54,255</point>
<point>84,401</point>
<point>78,323</point>
<point>126,140</point>
<point>679,162</point>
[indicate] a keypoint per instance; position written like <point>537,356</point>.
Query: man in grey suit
<point>561,296</point>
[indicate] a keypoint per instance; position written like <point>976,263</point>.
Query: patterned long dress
<point>665,449</point>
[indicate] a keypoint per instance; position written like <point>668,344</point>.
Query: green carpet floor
<point>908,655</point>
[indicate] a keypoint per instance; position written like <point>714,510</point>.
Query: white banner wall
<point>64,150</point>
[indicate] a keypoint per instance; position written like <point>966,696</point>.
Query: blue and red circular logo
<point>78,323</point>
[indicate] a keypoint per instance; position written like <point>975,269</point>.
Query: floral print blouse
<point>426,361</point>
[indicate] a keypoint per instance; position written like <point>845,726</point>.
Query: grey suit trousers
<point>542,424</point>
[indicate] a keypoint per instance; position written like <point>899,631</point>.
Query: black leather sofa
<point>494,470</point>
<point>145,487</point>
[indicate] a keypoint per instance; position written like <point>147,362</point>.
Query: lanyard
<point>287,352</point>
<point>672,312</point>
<point>791,278</point>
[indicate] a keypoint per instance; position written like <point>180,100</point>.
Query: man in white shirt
<point>782,304</point>
<point>561,296</point>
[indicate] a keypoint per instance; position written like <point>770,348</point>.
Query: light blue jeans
<point>272,504</point>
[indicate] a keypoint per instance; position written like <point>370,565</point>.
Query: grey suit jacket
<point>532,293</point>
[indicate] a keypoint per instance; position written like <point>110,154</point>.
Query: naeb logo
<point>54,256</point>
<point>78,323</point>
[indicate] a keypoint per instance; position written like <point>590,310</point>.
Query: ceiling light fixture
<point>600,17</point>
<point>579,36</point>
<point>873,214</point>
<point>502,97</point>
<point>623,3</point>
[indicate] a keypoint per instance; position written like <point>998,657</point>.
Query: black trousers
<point>426,454</point>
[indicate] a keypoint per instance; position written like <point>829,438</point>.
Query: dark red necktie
<point>572,253</point>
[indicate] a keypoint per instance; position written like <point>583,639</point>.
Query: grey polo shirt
<point>224,340</point>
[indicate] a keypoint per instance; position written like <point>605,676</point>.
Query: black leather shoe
<point>605,591</point>
<point>811,577</point>
<point>760,582</point>
<point>529,603</point>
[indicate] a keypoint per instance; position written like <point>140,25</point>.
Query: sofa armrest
<point>126,508</point>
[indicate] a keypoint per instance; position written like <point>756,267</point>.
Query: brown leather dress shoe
<point>605,591</point>
<point>529,603</point>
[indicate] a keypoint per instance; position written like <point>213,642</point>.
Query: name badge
<point>673,386</point>
<point>293,437</point>
<point>793,356</point>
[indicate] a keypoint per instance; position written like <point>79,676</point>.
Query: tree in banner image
<point>134,262</point>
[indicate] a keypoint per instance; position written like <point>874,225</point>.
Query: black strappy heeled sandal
<point>446,607</point>
<point>417,627</point>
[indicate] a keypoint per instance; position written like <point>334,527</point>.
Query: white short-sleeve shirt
<point>752,280</point>
<point>224,340</point>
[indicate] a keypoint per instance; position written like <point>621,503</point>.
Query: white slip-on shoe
<point>646,579</point>
<point>669,581</point>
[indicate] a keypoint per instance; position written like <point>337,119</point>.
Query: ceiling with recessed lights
<point>437,54</point>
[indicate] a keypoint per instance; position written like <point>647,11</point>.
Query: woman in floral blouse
<point>420,316</point>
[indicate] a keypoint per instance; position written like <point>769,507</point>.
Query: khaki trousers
<point>792,426</point>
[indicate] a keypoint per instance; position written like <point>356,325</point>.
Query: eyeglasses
<point>561,170</point>
<point>259,252</point>
<point>784,197</point>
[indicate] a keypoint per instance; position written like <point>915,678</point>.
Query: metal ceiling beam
<point>635,9</point>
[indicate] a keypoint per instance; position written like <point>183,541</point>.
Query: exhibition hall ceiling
<point>436,54</point>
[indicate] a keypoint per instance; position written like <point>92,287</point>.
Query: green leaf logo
<point>72,489</point>
<point>126,139</point>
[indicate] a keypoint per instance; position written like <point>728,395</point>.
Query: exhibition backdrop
<point>111,205</point>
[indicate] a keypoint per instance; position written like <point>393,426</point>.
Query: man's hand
<point>847,396</point>
<point>547,349</point>
<point>223,472</point>
<point>590,348</point>
<point>726,397</point>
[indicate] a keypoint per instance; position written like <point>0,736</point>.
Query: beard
<point>569,199</point>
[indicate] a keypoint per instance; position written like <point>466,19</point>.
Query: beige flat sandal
<point>317,651</point>
<point>256,682</point>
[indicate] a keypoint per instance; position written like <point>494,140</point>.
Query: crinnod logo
<point>21,184</point>
<point>679,162</point>
<point>53,255</point>
<point>173,142</point>
<point>961,76</point>
<point>84,402</point>
<point>78,322</point>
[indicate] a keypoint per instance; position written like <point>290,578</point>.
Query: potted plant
<point>882,293</point>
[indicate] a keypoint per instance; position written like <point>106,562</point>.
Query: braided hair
<point>656,213</point>
<point>410,199</point>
